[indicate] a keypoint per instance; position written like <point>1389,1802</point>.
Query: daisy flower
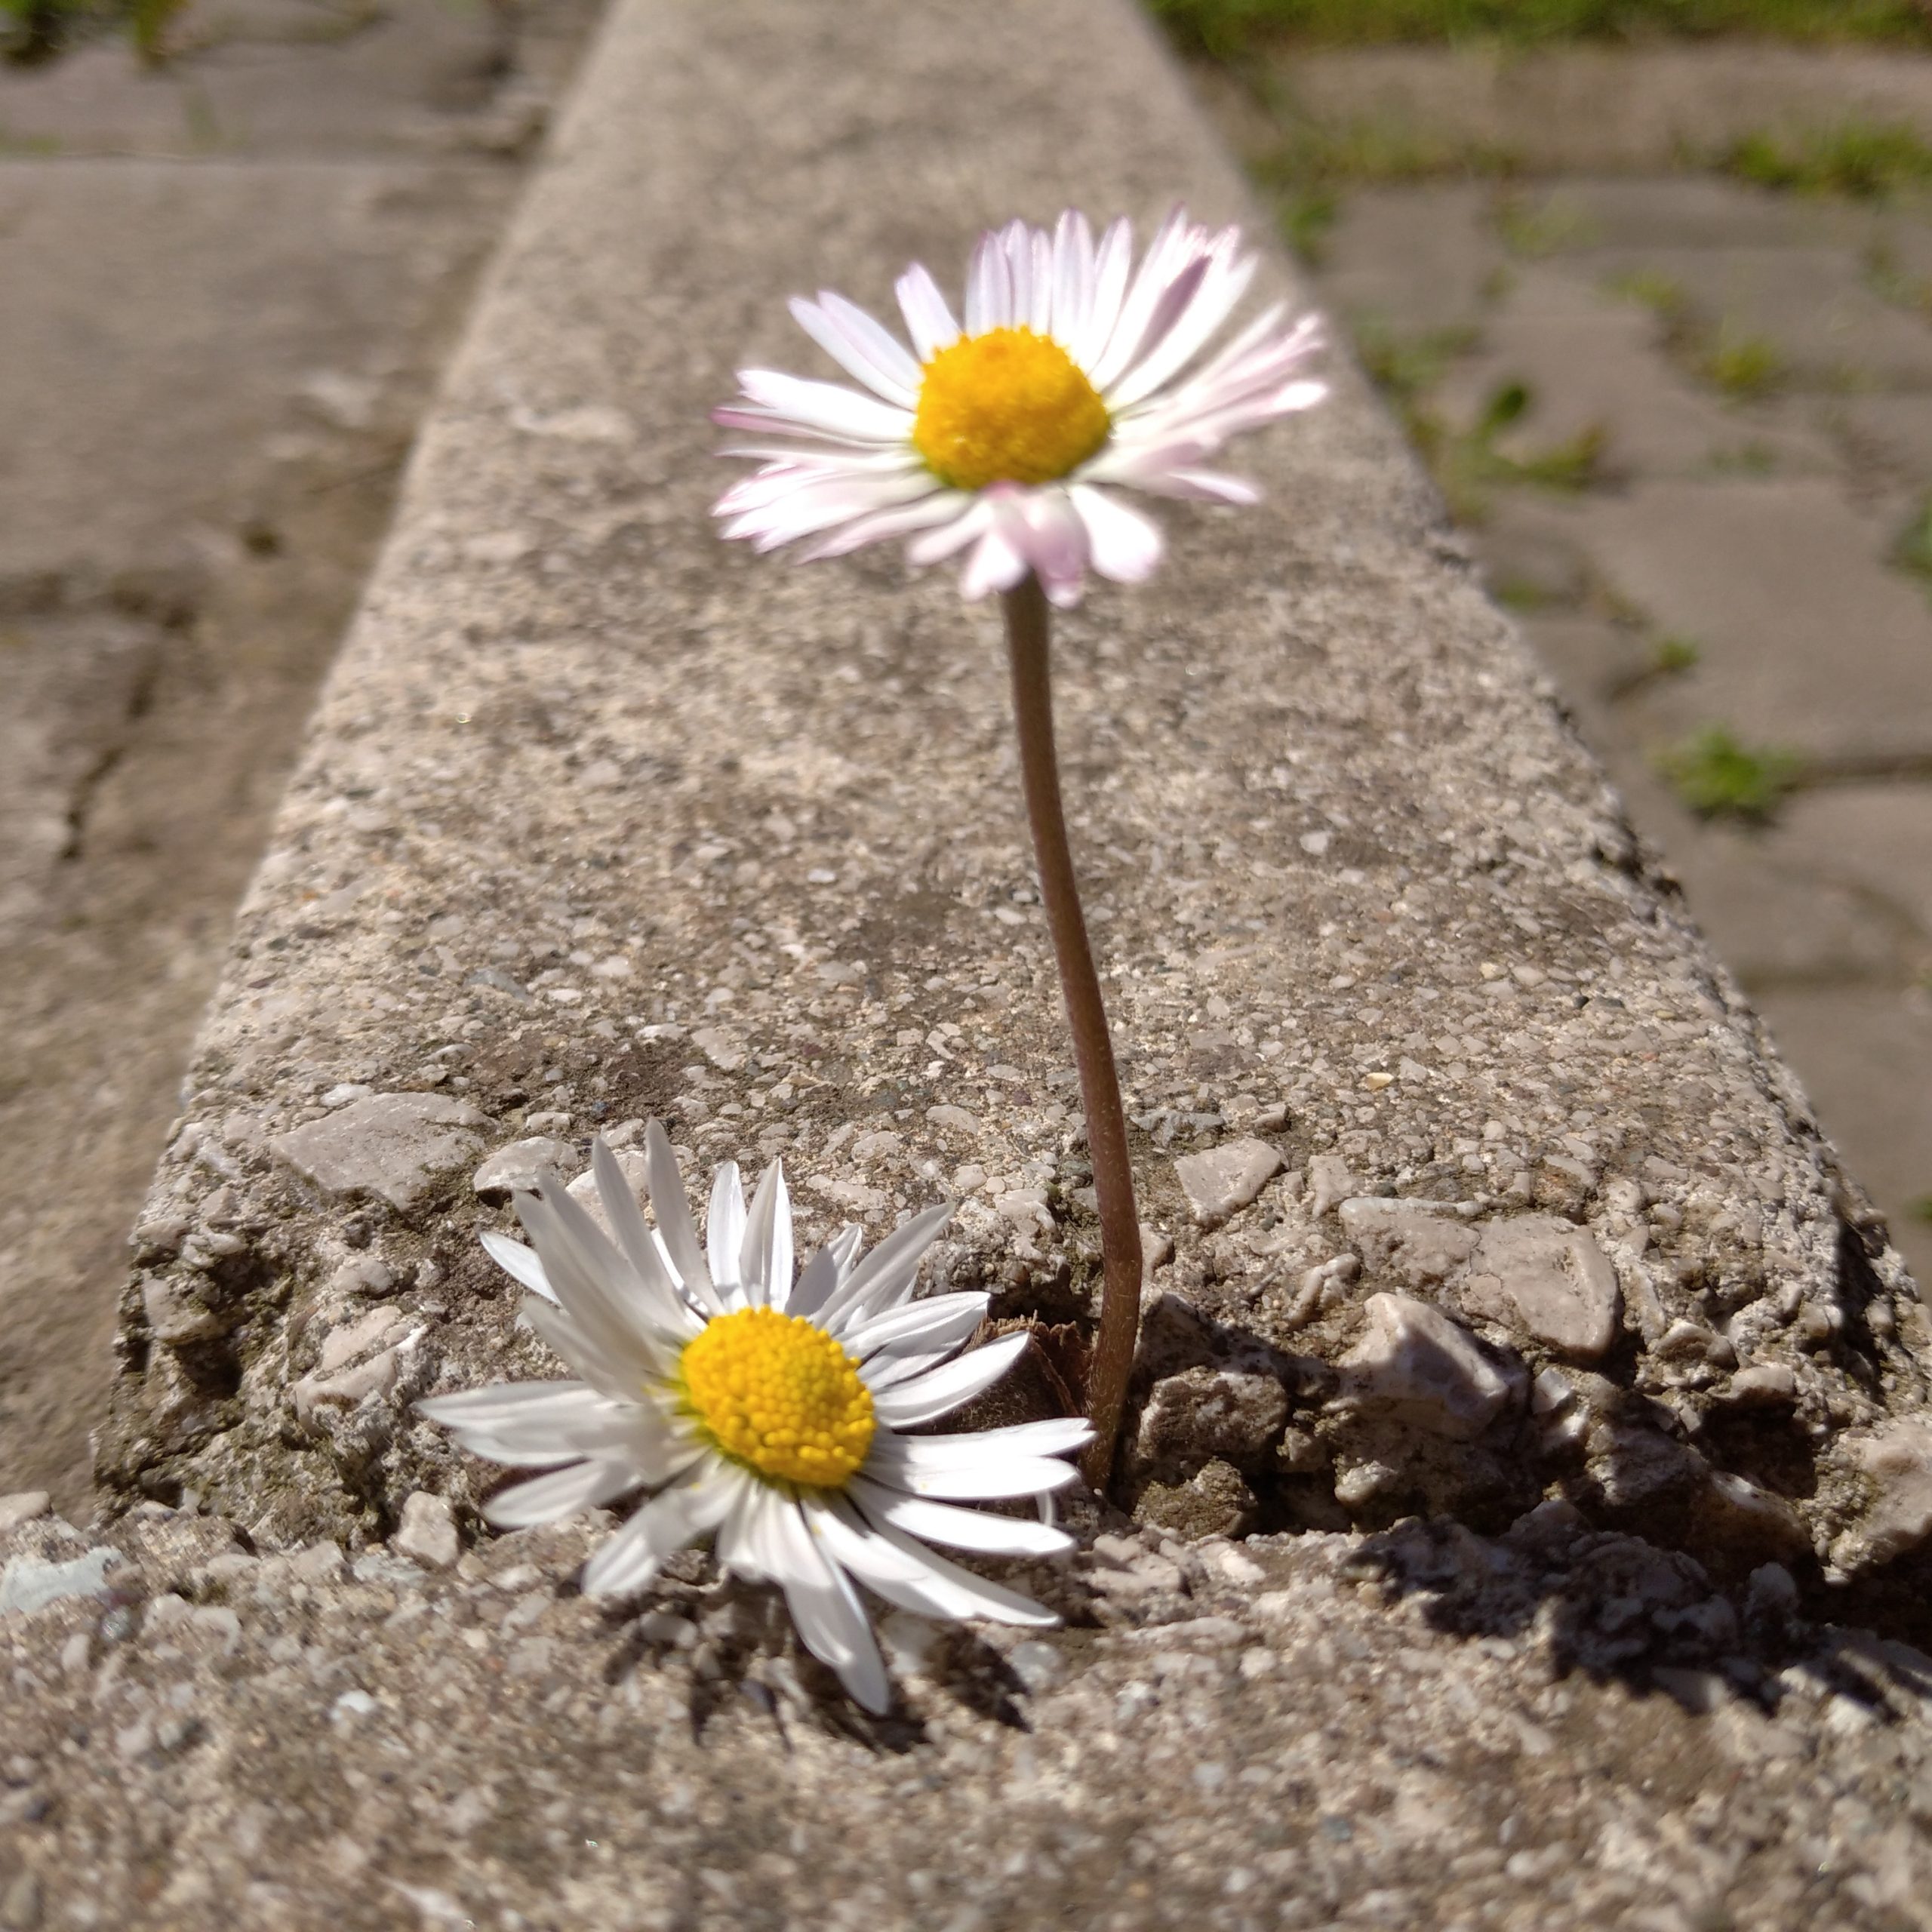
<point>1076,376</point>
<point>764,1410</point>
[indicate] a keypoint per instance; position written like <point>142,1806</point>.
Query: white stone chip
<point>392,1146</point>
<point>1546,1279</point>
<point>428,1533</point>
<point>1224,1180</point>
<point>1416,1362</point>
<point>521,1164</point>
<point>23,1507</point>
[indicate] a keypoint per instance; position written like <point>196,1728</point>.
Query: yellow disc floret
<point>779,1395</point>
<point>1006,406</point>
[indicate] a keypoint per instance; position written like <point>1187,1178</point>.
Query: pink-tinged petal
<point>1112,262</point>
<point>1174,249</point>
<point>1173,303</point>
<point>1073,279</point>
<point>879,526</point>
<point>1016,242</point>
<point>1123,545</point>
<point>937,544</point>
<point>765,422</point>
<point>1221,288</point>
<point>1056,545</point>
<point>827,408</point>
<point>859,347</point>
<point>1039,311</point>
<point>929,321</point>
<point>988,286</point>
<point>998,563</point>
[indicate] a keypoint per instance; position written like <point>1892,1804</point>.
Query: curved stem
<point>1028,644</point>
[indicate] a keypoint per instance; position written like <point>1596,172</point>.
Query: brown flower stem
<point>1028,636</point>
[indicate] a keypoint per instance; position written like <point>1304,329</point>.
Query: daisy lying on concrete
<point>762,1409</point>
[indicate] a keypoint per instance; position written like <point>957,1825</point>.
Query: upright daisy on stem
<point>763,1406</point>
<point>1076,375</point>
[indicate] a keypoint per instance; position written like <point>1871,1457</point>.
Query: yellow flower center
<point>1006,406</point>
<point>775,1393</point>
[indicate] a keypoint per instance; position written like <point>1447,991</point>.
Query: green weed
<point>1913,550</point>
<point>1305,219</point>
<point>1533,230</point>
<point>1865,160</point>
<point>1673,657</point>
<point>1716,777</point>
<point>1233,30</point>
<point>1742,366</point>
<point>1465,463</point>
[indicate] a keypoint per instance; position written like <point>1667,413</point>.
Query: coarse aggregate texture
<point>599,820</point>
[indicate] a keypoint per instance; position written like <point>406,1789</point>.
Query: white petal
<point>617,1376</point>
<point>764,1259</point>
<point>672,1517</point>
<point>1122,543</point>
<point>977,1530</point>
<point>940,1390</point>
<point>828,407</point>
<point>931,1324</point>
<point>943,541</point>
<point>816,1283</point>
<point>885,1277</point>
<point>832,1623</point>
<point>1057,1435</point>
<point>724,1230</point>
<point>859,347</point>
<point>548,1499</point>
<point>520,1262</point>
<point>896,1568</point>
<point>675,1228</point>
<point>895,1461</point>
<point>533,1423</point>
<point>590,1278</point>
<point>928,320</point>
<point>657,1287</point>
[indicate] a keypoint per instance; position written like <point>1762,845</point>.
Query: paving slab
<point>295,77</point>
<point>1877,836</point>
<point>1581,109</point>
<point>1814,306</point>
<point>1808,638</point>
<point>1867,1054</point>
<point>1591,363</point>
<point>1684,210</point>
<point>1422,258</point>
